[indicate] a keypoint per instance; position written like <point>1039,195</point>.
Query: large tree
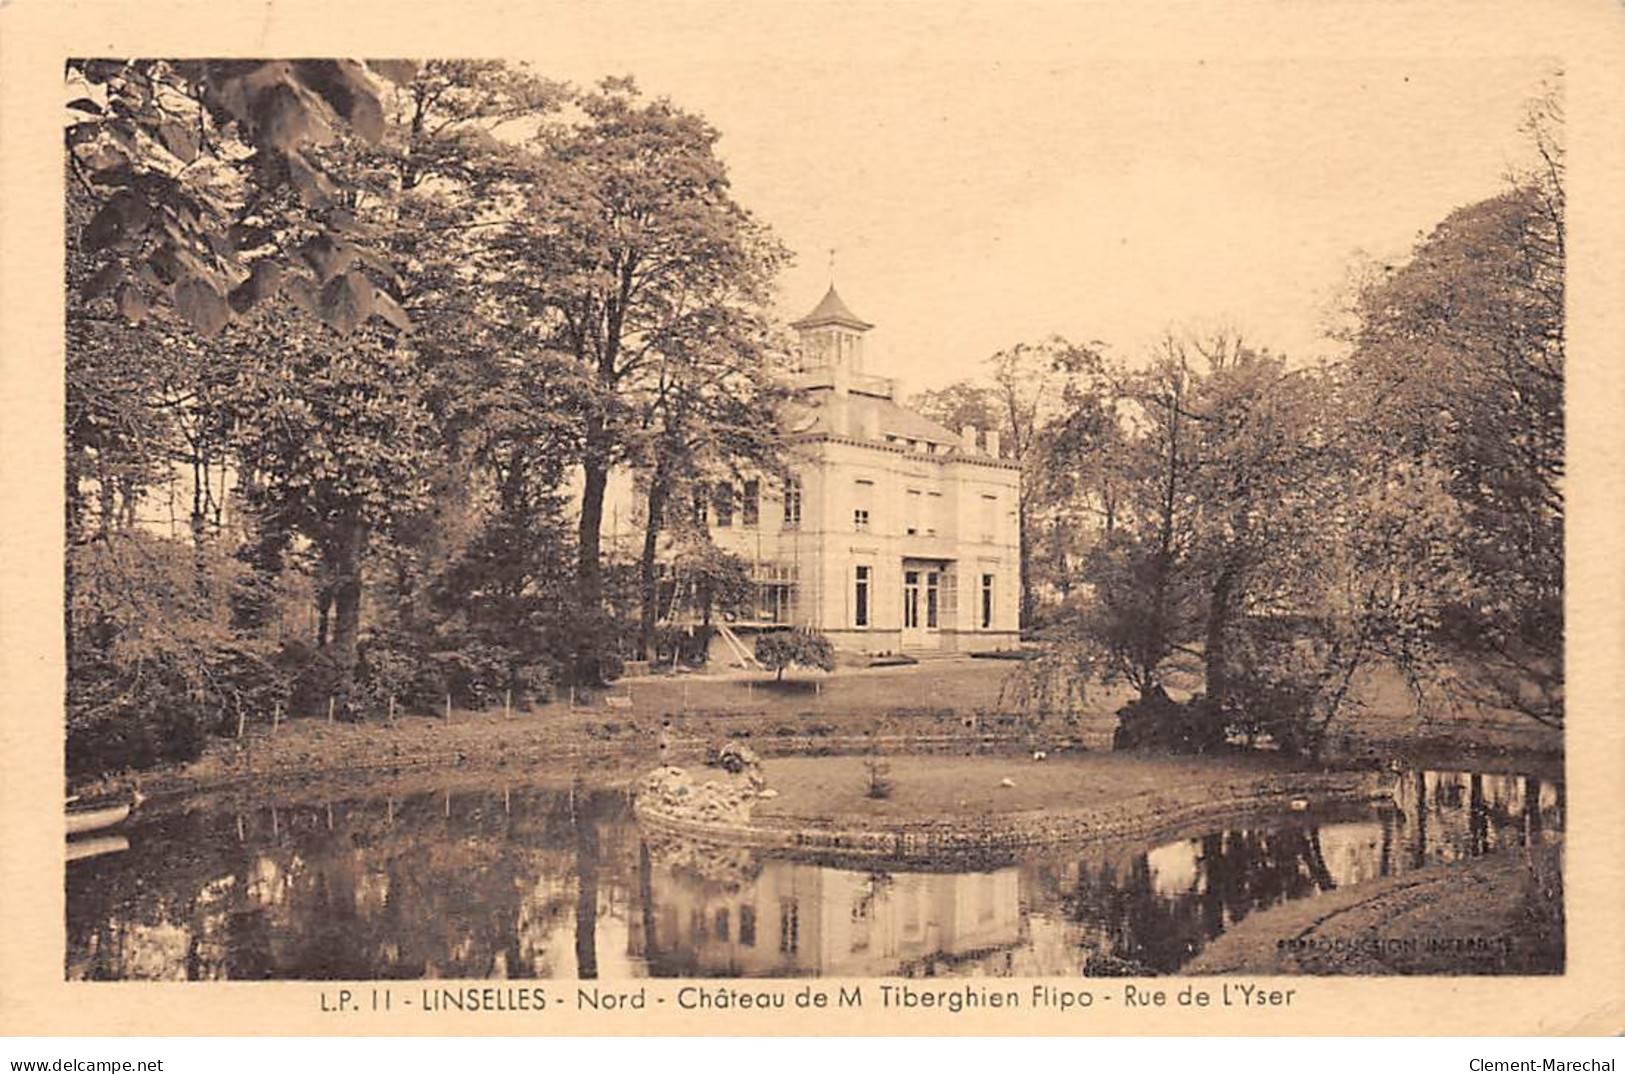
<point>1254,546</point>
<point>629,241</point>
<point>1458,363</point>
<point>713,422</point>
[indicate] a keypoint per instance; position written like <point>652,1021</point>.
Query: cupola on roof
<point>831,310</point>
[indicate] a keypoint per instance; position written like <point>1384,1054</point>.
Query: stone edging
<point>936,842</point>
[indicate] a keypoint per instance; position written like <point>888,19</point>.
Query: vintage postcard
<point>885,517</point>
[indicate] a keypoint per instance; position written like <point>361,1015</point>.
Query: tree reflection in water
<point>535,882</point>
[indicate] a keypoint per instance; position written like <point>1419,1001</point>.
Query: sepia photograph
<point>873,492</point>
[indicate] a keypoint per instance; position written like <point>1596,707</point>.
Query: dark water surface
<point>524,882</point>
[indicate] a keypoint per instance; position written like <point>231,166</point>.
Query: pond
<point>550,882</point>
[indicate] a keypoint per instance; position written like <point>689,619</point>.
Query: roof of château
<point>831,310</point>
<point>844,416</point>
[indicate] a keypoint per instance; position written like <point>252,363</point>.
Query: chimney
<point>967,439</point>
<point>993,442</point>
<point>851,420</point>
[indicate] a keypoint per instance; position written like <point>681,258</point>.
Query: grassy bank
<point>941,705</point>
<point>1500,914</point>
<point>945,704</point>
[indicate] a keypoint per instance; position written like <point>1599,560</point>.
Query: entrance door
<point>912,633</point>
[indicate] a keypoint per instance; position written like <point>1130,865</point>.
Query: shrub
<point>878,773</point>
<point>160,722</point>
<point>691,645</point>
<point>1159,722</point>
<point>385,674</point>
<point>533,683</point>
<point>474,674</point>
<point>313,675</point>
<point>806,648</point>
<point>1280,708</point>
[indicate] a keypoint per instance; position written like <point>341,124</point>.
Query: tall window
<point>863,503</point>
<point>860,597</point>
<point>987,602</point>
<point>911,512</point>
<point>933,513</point>
<point>862,918</point>
<point>932,598</point>
<point>747,926</point>
<point>792,503</point>
<point>789,926</point>
<point>723,498</point>
<point>777,594</point>
<point>911,599</point>
<point>989,503</point>
<point>750,504</point>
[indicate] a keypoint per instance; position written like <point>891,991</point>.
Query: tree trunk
<point>1385,863</point>
<point>1156,646</point>
<point>1419,855</point>
<point>324,605</point>
<point>589,570</point>
<point>586,889</point>
<point>350,540</point>
<point>1531,810</point>
<point>649,591</point>
<point>1317,863</point>
<point>200,568</point>
<point>646,901</point>
<point>1215,670</point>
<point>1478,820</point>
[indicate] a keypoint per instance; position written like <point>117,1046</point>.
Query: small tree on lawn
<point>808,648</point>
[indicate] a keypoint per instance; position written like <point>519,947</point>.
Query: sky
<point>989,174</point>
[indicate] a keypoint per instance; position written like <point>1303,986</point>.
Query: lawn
<point>963,685</point>
<point>946,786</point>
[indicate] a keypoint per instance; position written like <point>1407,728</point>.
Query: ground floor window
<point>987,602</point>
<point>776,592</point>
<point>789,926</point>
<point>911,599</point>
<point>932,599</point>
<point>860,597</point>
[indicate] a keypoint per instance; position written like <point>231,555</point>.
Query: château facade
<point>891,532</point>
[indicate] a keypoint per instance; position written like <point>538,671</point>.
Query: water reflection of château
<point>797,919</point>
<point>555,883</point>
